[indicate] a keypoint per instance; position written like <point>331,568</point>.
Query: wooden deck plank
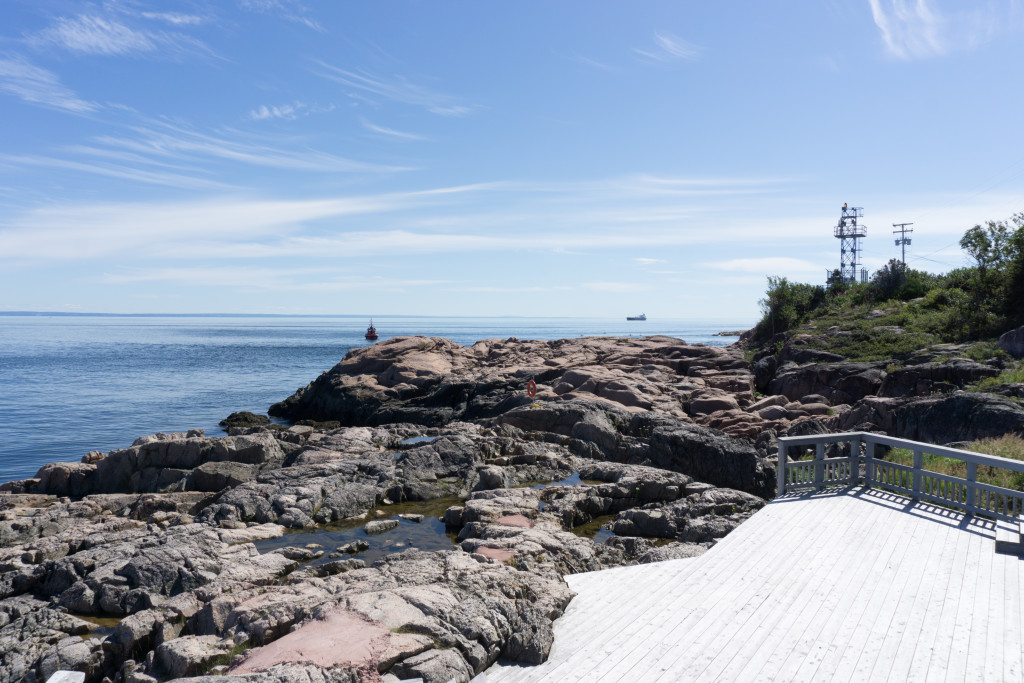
<point>697,635</point>
<point>737,577</point>
<point>978,632</point>
<point>956,665</point>
<point>918,631</point>
<point>840,655</point>
<point>712,634</point>
<point>819,662</point>
<point>1013,666</point>
<point>601,642</point>
<point>665,621</point>
<point>889,623</point>
<point>935,667</point>
<point>992,657</point>
<point>836,585</point>
<point>757,632</point>
<point>631,606</point>
<point>783,666</point>
<point>890,549</point>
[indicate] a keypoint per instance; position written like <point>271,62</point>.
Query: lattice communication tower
<point>849,232</point>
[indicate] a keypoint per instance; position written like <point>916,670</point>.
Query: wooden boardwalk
<point>843,585</point>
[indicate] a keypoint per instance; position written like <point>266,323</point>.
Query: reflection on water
<point>593,530</point>
<point>104,626</point>
<point>418,439</point>
<point>428,534</point>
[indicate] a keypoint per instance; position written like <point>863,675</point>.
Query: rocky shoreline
<point>144,564</point>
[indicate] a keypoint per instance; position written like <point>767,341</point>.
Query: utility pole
<point>903,240</point>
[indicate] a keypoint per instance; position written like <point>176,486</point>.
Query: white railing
<point>967,494</point>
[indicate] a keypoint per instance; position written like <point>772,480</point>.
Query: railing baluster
<point>869,463</point>
<point>819,465</point>
<point>972,476</point>
<point>918,462</point>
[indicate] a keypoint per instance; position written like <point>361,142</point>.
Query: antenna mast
<point>849,247</point>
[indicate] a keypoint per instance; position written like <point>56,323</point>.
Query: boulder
<point>215,476</point>
<point>802,354</point>
<point>961,416</point>
<point>935,377</point>
<point>711,401</point>
<point>1013,342</point>
<point>837,382</point>
<point>244,419</point>
<point>712,456</point>
<point>764,372</point>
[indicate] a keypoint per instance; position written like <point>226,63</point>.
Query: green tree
<point>786,305</point>
<point>991,249</point>
<point>889,280</point>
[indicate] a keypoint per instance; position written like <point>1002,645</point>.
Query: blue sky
<point>571,158</point>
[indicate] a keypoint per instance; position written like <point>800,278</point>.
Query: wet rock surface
<point>243,558</point>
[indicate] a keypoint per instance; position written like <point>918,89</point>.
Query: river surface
<point>73,384</point>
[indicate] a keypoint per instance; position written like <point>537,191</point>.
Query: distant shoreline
<point>359,316</point>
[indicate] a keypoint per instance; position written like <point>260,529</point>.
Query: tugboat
<point>371,331</point>
<point>642,316</point>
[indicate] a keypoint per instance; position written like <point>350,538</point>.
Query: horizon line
<point>69,314</point>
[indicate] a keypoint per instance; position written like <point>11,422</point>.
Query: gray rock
<point>1013,342</point>
<point>379,526</point>
<point>192,655</point>
<point>764,372</point>
<point>837,382</point>
<point>216,476</point>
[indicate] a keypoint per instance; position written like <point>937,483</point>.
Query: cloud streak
<point>290,10</point>
<point>391,132</point>
<point>106,36</point>
<point>285,111</point>
<point>919,29</point>
<point>397,89</point>
<point>36,85</point>
<point>668,48</point>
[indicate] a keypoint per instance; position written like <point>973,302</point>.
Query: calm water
<point>69,385</point>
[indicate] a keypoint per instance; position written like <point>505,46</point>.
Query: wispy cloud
<point>668,48</point>
<point>256,278</point>
<point>505,217</point>
<point>94,35</point>
<point>786,265</point>
<point>285,111</point>
<point>157,152</point>
<point>36,85</point>
<point>615,287</point>
<point>391,132</point>
<point>918,29</point>
<point>98,35</point>
<point>165,140</point>
<point>587,61</point>
<point>103,168</point>
<point>290,10</point>
<point>397,89</point>
<point>174,18</point>
<point>909,29</point>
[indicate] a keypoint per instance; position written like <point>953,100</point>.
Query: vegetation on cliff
<point>902,310</point>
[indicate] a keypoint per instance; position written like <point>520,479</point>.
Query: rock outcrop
<point>168,559</point>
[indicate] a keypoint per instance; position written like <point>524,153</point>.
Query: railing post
<point>819,466</point>
<point>783,455</point>
<point>854,461</point>
<point>972,492</point>
<point>869,464</point>
<point>918,464</point>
